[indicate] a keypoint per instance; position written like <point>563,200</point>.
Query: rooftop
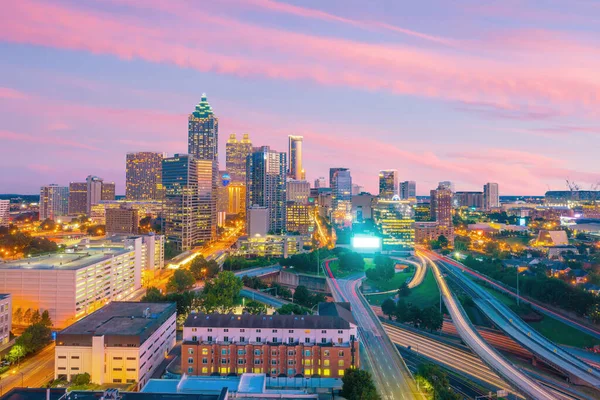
<point>266,321</point>
<point>123,318</point>
<point>66,261</point>
<point>33,394</point>
<point>341,310</point>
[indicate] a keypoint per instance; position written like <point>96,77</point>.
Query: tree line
<point>429,318</point>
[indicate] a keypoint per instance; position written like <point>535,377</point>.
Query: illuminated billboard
<point>366,244</point>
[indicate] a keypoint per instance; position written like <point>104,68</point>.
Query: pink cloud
<point>42,168</point>
<point>298,57</point>
<point>8,93</point>
<point>43,139</point>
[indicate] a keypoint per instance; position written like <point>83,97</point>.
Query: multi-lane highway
<point>390,373</point>
<point>509,322</point>
<point>487,353</point>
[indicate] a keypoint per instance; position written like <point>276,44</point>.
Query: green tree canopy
<point>222,293</point>
<point>255,307</point>
<point>357,384</point>
<point>181,280</point>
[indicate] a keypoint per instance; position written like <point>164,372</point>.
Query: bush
<point>81,379</point>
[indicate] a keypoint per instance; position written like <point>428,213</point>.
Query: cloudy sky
<point>465,90</point>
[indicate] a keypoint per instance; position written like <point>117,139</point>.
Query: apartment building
<point>123,342</point>
<point>5,318</point>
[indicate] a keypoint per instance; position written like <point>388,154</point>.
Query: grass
<point>334,266</point>
<point>385,285</point>
<point>425,295</point>
<point>551,328</point>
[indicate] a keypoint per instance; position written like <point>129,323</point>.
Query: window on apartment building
<point>241,352</point>
<point>258,339</point>
<point>223,361</point>
<point>114,358</point>
<point>190,360</point>
<point>131,369</point>
<point>258,331</point>
<point>341,353</point>
<point>190,370</point>
<point>242,330</point>
<point>224,352</point>
<point>204,352</point>
<point>326,372</point>
<point>117,381</point>
<point>273,371</point>
<point>225,330</point>
<point>340,332</point>
<point>291,362</point>
<point>340,340</point>
<point>226,338</point>
<point>273,352</point>
<point>74,357</point>
<point>130,381</point>
<point>273,362</point>
<point>307,353</point>
<point>205,360</point>
<point>209,338</point>
<point>291,331</point>
<point>62,368</point>
<point>323,340</point>
<point>340,363</point>
<point>326,363</point>
<point>195,338</point>
<point>190,350</point>
<point>242,339</point>
<point>74,368</point>
<point>306,340</point>
<point>323,331</point>
<point>257,352</point>
<point>131,358</point>
<point>209,329</point>
<point>326,353</point>
<point>291,372</point>
<point>117,369</point>
<point>274,330</point>
<point>204,370</point>
<point>194,329</point>
<point>291,340</point>
<point>241,361</point>
<point>62,357</point>
<point>257,361</point>
<point>274,339</point>
<point>291,353</point>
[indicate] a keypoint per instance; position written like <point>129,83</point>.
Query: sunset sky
<point>466,90</point>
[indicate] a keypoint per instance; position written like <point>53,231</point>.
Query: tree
<point>153,295</point>
<point>255,307</point>
<point>282,291</point>
<point>357,384</point>
<point>443,241</point>
<point>181,280</point>
<point>432,319</point>
<point>18,315</point>
<point>388,307</point>
<point>35,337</point>
<point>438,381</point>
<point>289,309</point>
<point>36,317</point>
<point>198,267</point>
<point>404,290</point>
<point>45,320</point>
<point>16,353</point>
<point>96,230</point>
<point>401,311</point>
<point>222,293</point>
<point>302,296</point>
<point>351,261</point>
<point>81,379</point>
<point>27,316</point>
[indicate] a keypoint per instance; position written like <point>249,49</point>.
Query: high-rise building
<point>468,199</point>
<point>357,189</point>
<point>77,198</point>
<point>422,212</point>
<point>446,185</point>
<point>320,182</point>
<point>203,132</point>
<point>54,201</point>
<point>190,203</point>
<point>491,196</point>
<point>144,176</point>
<point>236,202</point>
<point>340,181</point>
<point>266,184</point>
<point>108,191</point>
<point>388,183</point>
<point>394,220</point>
<point>295,157</point>
<point>299,218</point>
<point>4,212</point>
<point>236,153</point>
<point>257,221</point>
<point>223,192</point>
<point>298,191</point>
<point>441,206</point>
<point>121,221</point>
<point>408,191</point>
<point>94,192</point>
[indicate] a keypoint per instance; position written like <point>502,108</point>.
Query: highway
<point>391,375</point>
<point>415,280</point>
<point>488,354</point>
<point>509,322</point>
<point>35,371</point>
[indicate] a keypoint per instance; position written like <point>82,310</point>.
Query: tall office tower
<point>77,198</point>
<point>94,192</point>
<point>408,191</point>
<point>446,185</point>
<point>257,218</point>
<point>203,132</point>
<point>395,223</point>
<point>143,176</point>
<point>388,183</point>
<point>122,221</point>
<point>190,203</point>
<point>295,157</point>
<point>340,181</point>
<point>298,191</point>
<point>320,182</point>
<point>108,191</point>
<point>468,199</point>
<point>266,185</point>
<point>4,212</point>
<point>235,156</point>
<point>54,201</point>
<point>491,196</point>
<point>236,202</point>
<point>441,206</point>
<point>223,192</point>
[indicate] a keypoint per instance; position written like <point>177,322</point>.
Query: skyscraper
<point>468,199</point>
<point>54,201</point>
<point>446,185</point>
<point>408,191</point>
<point>441,206</point>
<point>340,182</point>
<point>388,183</point>
<point>320,182</point>
<point>4,212</point>
<point>108,191</point>
<point>94,192</point>
<point>266,185</point>
<point>295,157</point>
<point>190,206</point>
<point>235,156</point>
<point>298,191</point>
<point>144,176</point>
<point>394,220</point>
<point>77,198</point>
<point>203,132</point>
<point>491,196</point>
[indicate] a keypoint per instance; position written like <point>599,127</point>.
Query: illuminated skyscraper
<point>144,176</point>
<point>108,191</point>
<point>394,219</point>
<point>408,191</point>
<point>236,202</point>
<point>298,191</point>
<point>54,201</point>
<point>295,157</point>
<point>203,132</point>
<point>446,185</point>
<point>235,156</point>
<point>266,185</point>
<point>491,196</point>
<point>388,183</point>
<point>340,182</point>
<point>4,212</point>
<point>441,206</point>
<point>190,202</point>
<point>94,192</point>
<point>77,198</point>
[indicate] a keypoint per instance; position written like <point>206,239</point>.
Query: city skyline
<point>503,108</point>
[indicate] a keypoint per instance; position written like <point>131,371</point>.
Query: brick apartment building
<point>278,345</point>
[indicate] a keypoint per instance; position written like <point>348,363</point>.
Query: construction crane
<point>573,187</point>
